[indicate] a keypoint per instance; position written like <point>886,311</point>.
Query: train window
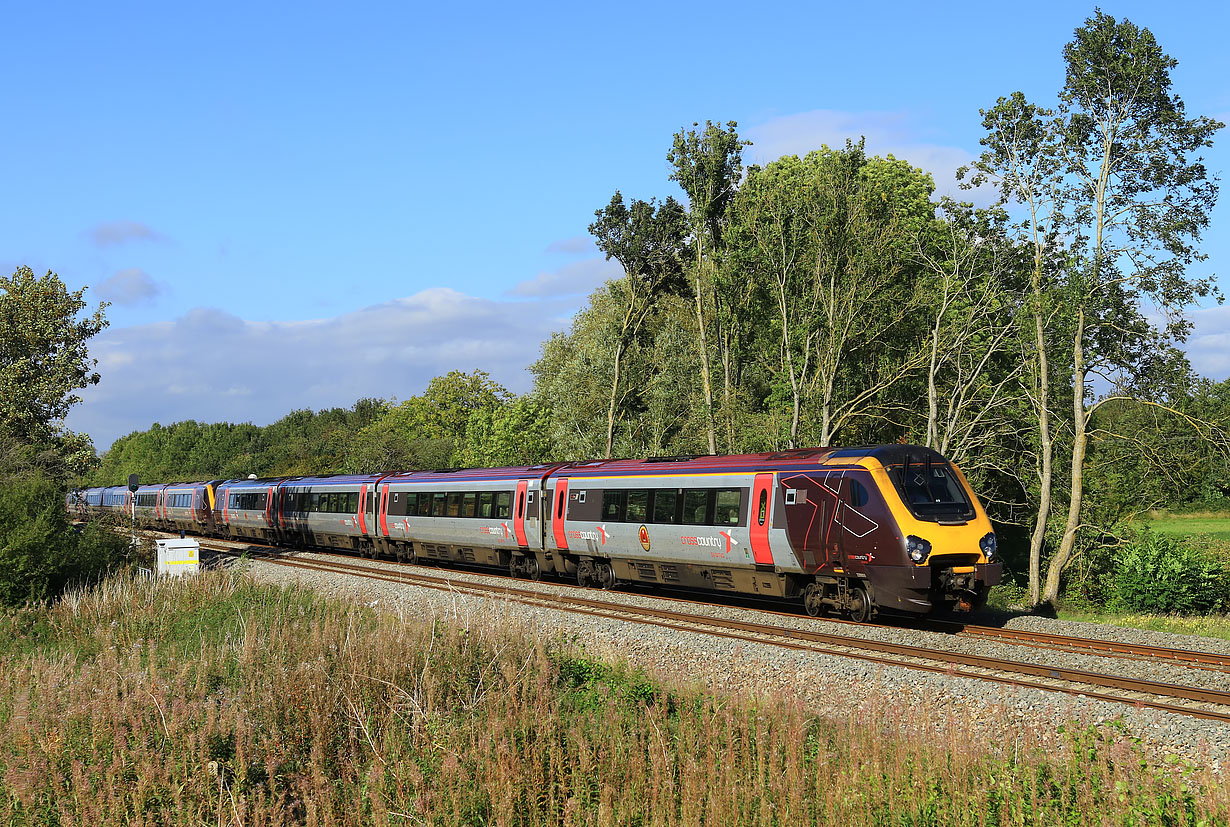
<point>314,503</point>
<point>352,502</point>
<point>503,505</point>
<point>697,505</point>
<point>437,504</point>
<point>665,505</point>
<point>858,494</point>
<point>763,507</point>
<point>613,502</point>
<point>412,503</point>
<point>452,507</point>
<point>726,506</point>
<point>469,504</point>
<point>638,506</point>
<point>486,502</point>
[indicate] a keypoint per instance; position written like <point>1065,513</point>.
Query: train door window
<point>858,494</point>
<point>486,502</point>
<point>559,511</point>
<point>503,505</point>
<point>469,504</point>
<point>763,508</point>
<point>697,506</point>
<point>665,505</point>
<point>638,506</point>
<point>520,505</point>
<point>613,502</point>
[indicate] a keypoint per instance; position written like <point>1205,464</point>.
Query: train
<point>847,531</point>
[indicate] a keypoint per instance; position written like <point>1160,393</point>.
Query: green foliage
<point>431,430</point>
<point>40,554</point>
<point>43,357</point>
<point>517,433</point>
<point>1159,574</point>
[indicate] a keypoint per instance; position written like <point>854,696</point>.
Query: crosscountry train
<point>852,531</point>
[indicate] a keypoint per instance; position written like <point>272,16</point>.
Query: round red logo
<point>644,538</point>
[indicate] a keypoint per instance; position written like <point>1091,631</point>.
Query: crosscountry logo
<point>644,538</point>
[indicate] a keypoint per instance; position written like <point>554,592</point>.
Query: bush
<point>1159,574</point>
<point>40,553</point>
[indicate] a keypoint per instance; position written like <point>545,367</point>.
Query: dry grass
<point>218,701</point>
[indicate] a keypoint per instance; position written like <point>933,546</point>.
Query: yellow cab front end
<point>949,550</point>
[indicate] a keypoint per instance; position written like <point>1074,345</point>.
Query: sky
<point>299,205</point>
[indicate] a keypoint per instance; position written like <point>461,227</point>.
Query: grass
<point>1213,524</point>
<point>1214,626</point>
<point>220,701</point>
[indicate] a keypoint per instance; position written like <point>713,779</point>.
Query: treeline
<point>461,419</point>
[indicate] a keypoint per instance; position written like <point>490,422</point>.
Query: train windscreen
<point>931,490</point>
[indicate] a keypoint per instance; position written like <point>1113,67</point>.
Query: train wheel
<point>532,570</point>
<point>859,607</point>
<point>811,600</point>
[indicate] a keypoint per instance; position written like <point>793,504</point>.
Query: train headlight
<point>989,545</point>
<point>917,548</point>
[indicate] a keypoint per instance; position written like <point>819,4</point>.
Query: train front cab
<point>948,547</point>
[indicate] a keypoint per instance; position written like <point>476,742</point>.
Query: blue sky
<point>295,205</point>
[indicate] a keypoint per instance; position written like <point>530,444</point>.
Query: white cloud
<point>885,132</point>
<point>118,232</point>
<point>1208,347</point>
<point>129,287</point>
<point>577,278</point>
<point>212,366</point>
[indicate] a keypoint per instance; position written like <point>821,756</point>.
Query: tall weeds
<point>218,701</point>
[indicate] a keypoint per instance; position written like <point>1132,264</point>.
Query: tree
<point>1116,198</point>
<point>517,433</point>
<point>708,166</point>
<point>829,240</point>
<point>1136,201</point>
<point>971,297</point>
<point>1023,157</point>
<point>43,356</point>
<point>647,240</point>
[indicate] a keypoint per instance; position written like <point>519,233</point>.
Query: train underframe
<point>916,590</point>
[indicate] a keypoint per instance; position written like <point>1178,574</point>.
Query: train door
<point>760,517</point>
<point>383,510</point>
<point>520,512</point>
<point>559,504</point>
<point>367,501</point>
<point>834,545</point>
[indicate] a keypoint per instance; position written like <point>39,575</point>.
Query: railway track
<point>1199,702</point>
